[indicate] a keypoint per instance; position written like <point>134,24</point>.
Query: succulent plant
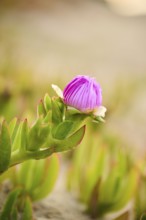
<point>103,174</point>
<point>57,128</point>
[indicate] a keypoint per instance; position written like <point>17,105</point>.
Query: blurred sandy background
<point>56,40</point>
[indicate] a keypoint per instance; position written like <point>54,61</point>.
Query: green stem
<point>21,156</point>
<point>18,157</point>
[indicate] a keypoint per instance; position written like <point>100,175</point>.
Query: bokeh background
<point>44,42</point>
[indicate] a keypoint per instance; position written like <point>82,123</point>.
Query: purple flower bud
<point>83,93</point>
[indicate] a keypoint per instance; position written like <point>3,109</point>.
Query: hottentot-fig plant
<point>59,125</point>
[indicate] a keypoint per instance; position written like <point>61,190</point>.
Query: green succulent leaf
<point>27,210</point>
<point>49,174</point>
<point>24,136</point>
<point>48,118</point>
<point>26,172</point>
<point>71,141</point>
<point>37,172</point>
<point>12,126</point>
<point>38,135</point>
<point>57,111</point>
<point>41,176</point>
<point>33,136</point>
<point>5,148</point>
<point>63,130</point>
<point>47,103</point>
<point>127,192</point>
<point>41,109</point>
<point>16,144</point>
<point>8,210</point>
<point>53,131</point>
<point>94,173</point>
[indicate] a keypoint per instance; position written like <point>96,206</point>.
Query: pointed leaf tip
<point>5,147</point>
<point>41,108</point>
<point>47,102</point>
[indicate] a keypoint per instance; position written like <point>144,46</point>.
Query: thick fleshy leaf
<point>93,173</point>
<point>12,125</point>
<point>38,135</point>
<point>71,141</point>
<point>44,133</point>
<point>24,136</point>
<point>41,109</point>
<point>78,118</point>
<point>10,205</point>
<point>47,102</point>
<point>26,172</point>
<point>127,192</point>
<point>57,111</point>
<point>27,210</point>
<point>33,139</point>
<point>5,148</point>
<point>37,172</point>
<point>48,118</point>
<point>63,130</point>
<point>48,178</point>
<point>16,144</point>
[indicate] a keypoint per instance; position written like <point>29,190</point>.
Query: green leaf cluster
<point>55,129</point>
<point>31,181</point>
<point>103,174</point>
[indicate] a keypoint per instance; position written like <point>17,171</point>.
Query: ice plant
<point>57,127</point>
